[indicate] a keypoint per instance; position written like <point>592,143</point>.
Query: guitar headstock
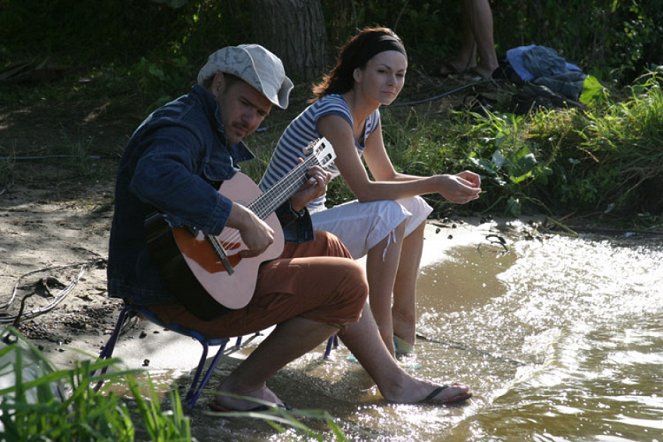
<point>323,151</point>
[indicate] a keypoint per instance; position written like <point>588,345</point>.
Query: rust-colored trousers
<point>317,280</point>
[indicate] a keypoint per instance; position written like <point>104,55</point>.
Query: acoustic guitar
<point>206,272</point>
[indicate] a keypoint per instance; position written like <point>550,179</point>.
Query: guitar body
<point>234,291</point>
<point>206,273</point>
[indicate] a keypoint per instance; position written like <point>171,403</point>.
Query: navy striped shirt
<point>304,129</point>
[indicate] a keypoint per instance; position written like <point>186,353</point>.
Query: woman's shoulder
<point>332,105</point>
<point>373,121</point>
<point>332,101</point>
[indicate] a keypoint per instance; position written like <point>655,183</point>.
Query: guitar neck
<point>272,198</point>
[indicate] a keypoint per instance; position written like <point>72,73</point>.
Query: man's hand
<point>315,186</point>
<point>255,233</point>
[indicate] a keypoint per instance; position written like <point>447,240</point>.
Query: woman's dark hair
<point>355,54</point>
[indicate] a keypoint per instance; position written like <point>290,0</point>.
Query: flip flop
<point>259,408</point>
<point>402,347</point>
<point>430,399</point>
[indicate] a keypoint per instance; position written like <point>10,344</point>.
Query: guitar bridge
<point>221,252</point>
<point>218,249</point>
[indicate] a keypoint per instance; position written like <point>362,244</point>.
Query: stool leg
<point>193,393</point>
<point>107,351</point>
<point>328,350</point>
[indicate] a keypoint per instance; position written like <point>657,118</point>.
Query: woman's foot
<point>415,391</point>
<point>447,394</point>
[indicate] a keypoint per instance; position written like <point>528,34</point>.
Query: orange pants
<point>317,280</point>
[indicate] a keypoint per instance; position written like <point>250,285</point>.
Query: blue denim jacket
<point>169,165</point>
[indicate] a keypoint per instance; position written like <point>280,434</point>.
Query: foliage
<point>83,415</point>
<point>84,29</point>
<point>613,39</point>
<point>607,159</point>
<point>32,409</point>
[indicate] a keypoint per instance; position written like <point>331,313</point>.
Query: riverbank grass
<point>44,403</point>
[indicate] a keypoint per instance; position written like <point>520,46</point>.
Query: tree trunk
<point>294,30</point>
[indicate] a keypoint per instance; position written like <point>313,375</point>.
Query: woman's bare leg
<point>381,268</point>
<point>404,313</point>
<point>396,385</point>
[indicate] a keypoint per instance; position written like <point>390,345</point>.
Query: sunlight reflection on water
<point>560,339</point>
<point>589,313</point>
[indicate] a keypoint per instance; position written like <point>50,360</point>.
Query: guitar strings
<point>289,182</point>
<point>257,206</point>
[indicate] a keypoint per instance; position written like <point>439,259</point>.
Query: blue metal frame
<point>196,388</point>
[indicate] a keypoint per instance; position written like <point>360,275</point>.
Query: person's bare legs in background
<point>477,40</point>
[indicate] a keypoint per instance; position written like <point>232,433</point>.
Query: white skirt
<point>360,226</point>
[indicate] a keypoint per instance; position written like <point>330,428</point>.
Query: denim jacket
<point>169,165</point>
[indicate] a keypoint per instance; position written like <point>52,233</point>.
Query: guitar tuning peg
<point>308,150</point>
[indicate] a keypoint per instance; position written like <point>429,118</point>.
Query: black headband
<point>384,42</point>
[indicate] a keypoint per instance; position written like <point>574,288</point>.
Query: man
<point>174,163</point>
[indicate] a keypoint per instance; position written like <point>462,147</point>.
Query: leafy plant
<point>39,402</point>
<point>33,409</point>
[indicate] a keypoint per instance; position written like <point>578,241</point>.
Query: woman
<point>386,222</point>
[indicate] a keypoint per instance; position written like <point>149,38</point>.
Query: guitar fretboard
<point>272,198</point>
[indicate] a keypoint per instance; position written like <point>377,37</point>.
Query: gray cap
<point>253,64</point>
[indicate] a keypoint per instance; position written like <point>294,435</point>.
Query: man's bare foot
<point>230,401</point>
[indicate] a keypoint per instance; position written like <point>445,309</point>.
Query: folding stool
<point>195,389</point>
<point>331,343</point>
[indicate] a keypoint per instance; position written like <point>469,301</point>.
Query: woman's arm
<point>378,161</point>
<point>455,188</point>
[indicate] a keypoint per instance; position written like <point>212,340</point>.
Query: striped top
<point>304,129</point>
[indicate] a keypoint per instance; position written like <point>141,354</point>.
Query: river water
<point>561,339</point>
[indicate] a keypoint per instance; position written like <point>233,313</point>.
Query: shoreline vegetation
<point>598,165</point>
<point>90,81</point>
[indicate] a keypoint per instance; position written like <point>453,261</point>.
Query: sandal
<point>430,399</point>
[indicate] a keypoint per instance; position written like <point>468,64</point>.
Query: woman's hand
<point>472,177</point>
<point>460,188</point>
